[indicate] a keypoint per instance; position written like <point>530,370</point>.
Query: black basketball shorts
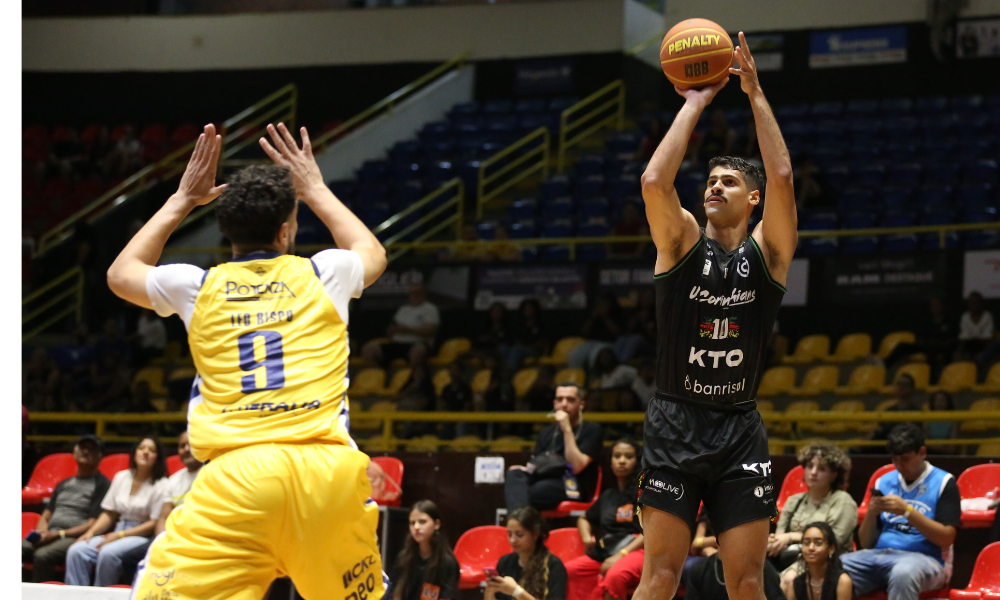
<point>694,454</point>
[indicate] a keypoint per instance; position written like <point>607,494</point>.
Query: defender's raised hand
<point>285,152</point>
<point>748,69</point>
<point>198,182</point>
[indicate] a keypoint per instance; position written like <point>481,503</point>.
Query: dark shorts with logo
<point>693,454</point>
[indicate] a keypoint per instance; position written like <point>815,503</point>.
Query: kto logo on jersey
<point>735,298</point>
<point>733,357</point>
<point>758,468</point>
<point>719,329</point>
<point>243,292</point>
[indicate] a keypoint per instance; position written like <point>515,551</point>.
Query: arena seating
<point>569,508</point>
<point>863,507</point>
<point>478,548</point>
<point>565,543</point>
<point>49,471</point>
<point>393,469</point>
<point>976,482</point>
<point>985,581</point>
<point>174,464</point>
<point>794,483</point>
<point>113,463</point>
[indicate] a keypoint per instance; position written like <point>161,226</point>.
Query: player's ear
<point>284,233</point>
<point>755,197</point>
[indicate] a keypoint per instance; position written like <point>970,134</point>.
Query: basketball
<point>696,53</point>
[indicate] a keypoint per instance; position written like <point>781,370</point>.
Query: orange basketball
<point>696,53</point>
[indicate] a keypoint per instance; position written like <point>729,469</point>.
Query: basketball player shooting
<point>286,491</point>
<point>717,295</point>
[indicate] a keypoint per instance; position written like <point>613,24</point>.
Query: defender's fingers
<point>279,143</point>
<point>287,136</point>
<point>306,143</point>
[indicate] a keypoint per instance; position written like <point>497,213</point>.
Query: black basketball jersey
<point>714,315</point>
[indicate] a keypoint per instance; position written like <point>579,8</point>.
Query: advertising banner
<point>978,38</point>
<point>982,273</point>
<point>554,286</point>
<point>768,50</point>
<point>887,279</point>
<point>447,287</point>
<point>853,47</point>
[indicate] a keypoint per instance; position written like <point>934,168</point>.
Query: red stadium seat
<point>29,521</point>
<point>565,543</point>
<point>183,134</point>
<point>154,142</point>
<point>48,472</point>
<point>985,581</point>
<point>174,464</point>
<point>863,508</point>
<point>794,483</point>
<point>113,463</point>
<point>478,548</point>
<point>393,468</point>
<point>976,482</point>
<point>569,508</point>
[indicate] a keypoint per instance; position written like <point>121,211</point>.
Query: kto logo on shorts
<point>758,468</point>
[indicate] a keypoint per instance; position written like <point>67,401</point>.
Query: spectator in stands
<point>810,184</point>
<point>706,581</point>
<point>74,506</point>
<point>456,397</point>
<point>426,568</point>
<point>563,464</point>
<point>611,374</point>
<point>633,222</point>
<point>66,155</point>
<point>615,515</point>
<point>824,577</point>
<point>975,328</point>
<point>539,395</point>
<point>98,151</point>
<point>937,339</point>
<point>139,402</point>
<point>126,158</point>
<point>502,249</point>
<point>941,430</point>
<point>75,356</point>
<point>468,248</point>
<point>904,401</point>
<point>639,336</point>
<point>150,338</point>
<point>654,135</point>
<point>601,328</point>
<point>496,335</point>
<point>417,394</point>
<point>112,341</point>
<point>110,381</point>
<point>529,334</point>
<point>130,510</point>
<point>908,531</point>
<point>719,140</point>
<point>180,482</point>
<point>530,572</point>
<point>499,393</point>
<point>644,385</point>
<point>825,470</point>
<point>412,331</point>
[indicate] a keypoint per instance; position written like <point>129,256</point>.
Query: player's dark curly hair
<point>257,201</point>
<point>755,178</point>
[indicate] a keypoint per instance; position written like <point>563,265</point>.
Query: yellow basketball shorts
<point>266,511</point>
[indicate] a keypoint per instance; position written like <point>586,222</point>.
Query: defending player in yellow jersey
<point>285,491</point>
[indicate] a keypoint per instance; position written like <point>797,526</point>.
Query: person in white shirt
<point>412,332</point>
<point>975,328</point>
<point>131,508</point>
<point>180,482</point>
<point>150,335</point>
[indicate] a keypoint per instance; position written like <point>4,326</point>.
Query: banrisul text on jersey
<point>715,311</point>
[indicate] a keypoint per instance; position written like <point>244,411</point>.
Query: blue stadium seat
<point>899,243</point>
<point>523,230</point>
<point>932,241</point>
<point>791,112</point>
<point>554,253</point>
<point>830,108</point>
<point>855,200</point>
<point>614,164</point>
<point>486,230</point>
<point>373,170</point>
<point>591,252</point>
<point>944,173</point>
<point>903,124</point>
<point>938,216</point>
<point>372,192</point>
<point>554,187</point>
<point>894,106</point>
<point>588,187</point>
<point>407,151</point>
<point>908,174</point>
<point>966,103</point>
<point>591,164</point>
<point>862,107</point>
<point>819,221</point>
<point>498,107</point>
<point>826,156</point>
<point>525,208</point>
<point>903,152</point>
<point>593,228</point>
<point>859,244</point>
<point>438,172</point>
<point>858,220</point>
<point>981,171</point>
<point>978,149</point>
<point>938,125</point>
<point>469,130</point>
<point>898,218</point>
<point>930,105</point>
<point>829,130</point>
<point>895,198</point>
<point>530,106</point>
<point>529,122</point>
<point>440,150</point>
<point>557,208</point>
<point>819,246</point>
<point>624,186</point>
<point>593,207</point>
<point>406,194</point>
<point>980,214</point>
<point>557,228</point>
<point>438,131</point>
<point>622,142</point>
<point>557,105</point>
<point>870,175</point>
<point>465,108</point>
<point>344,189</point>
<point>935,194</point>
<point>402,172</point>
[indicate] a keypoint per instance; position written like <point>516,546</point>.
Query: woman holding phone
<point>530,572</point>
<point>427,569</point>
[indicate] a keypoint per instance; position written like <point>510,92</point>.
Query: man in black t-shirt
<point>564,462</point>
<point>717,296</point>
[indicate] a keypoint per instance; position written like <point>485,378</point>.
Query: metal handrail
<point>73,289</point>
<point>389,101</point>
<point>174,163</point>
<point>542,150</point>
<point>646,43</point>
<point>568,134</point>
<point>458,201</point>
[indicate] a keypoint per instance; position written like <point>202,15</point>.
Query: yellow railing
<point>646,43</point>
<point>47,305</point>
<point>457,201</point>
<point>604,107</point>
<point>514,163</point>
<point>389,102</point>
<point>390,419</point>
<point>238,132</point>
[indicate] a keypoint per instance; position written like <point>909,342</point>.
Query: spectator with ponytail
<point>824,577</point>
<point>530,572</point>
<point>427,569</point>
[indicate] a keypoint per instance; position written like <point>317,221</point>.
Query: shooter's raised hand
<point>748,68</point>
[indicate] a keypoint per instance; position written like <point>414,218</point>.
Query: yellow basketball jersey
<point>271,353</point>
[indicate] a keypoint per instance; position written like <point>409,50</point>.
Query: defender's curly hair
<point>754,177</point>
<point>257,201</point>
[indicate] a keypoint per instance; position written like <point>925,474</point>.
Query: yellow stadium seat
<point>160,404</point>
<point>171,354</point>
<point>776,380</point>
<point>866,426</point>
<point>851,347</point>
<point>466,443</point>
<point>379,444</point>
<point>182,373</point>
<point>368,382</point>
<point>359,417</point>
<point>776,446</point>
<point>441,380</point>
<point>154,377</point>
<point>818,380</point>
<point>450,350</point>
<point>809,349</point>
<point>981,425</point>
<point>508,443</point>
<point>523,381</point>
<point>956,377</point>
<point>779,344</point>
<point>424,443</point>
<point>576,376</point>
<point>865,379</point>
<point>920,372</point>
<point>561,351</point>
<point>481,381</point>
<point>765,406</point>
<point>992,383</point>
<point>891,339</point>
<point>398,381</point>
<point>990,449</point>
<point>802,407</point>
<point>837,427</point>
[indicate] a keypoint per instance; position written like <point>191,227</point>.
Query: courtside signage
<point>982,273</point>
<point>853,47</point>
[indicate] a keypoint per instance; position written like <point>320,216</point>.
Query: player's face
<point>422,526</point>
<point>521,540</point>
<point>623,460</point>
<point>818,474</point>
<point>815,549</point>
<point>727,200</point>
